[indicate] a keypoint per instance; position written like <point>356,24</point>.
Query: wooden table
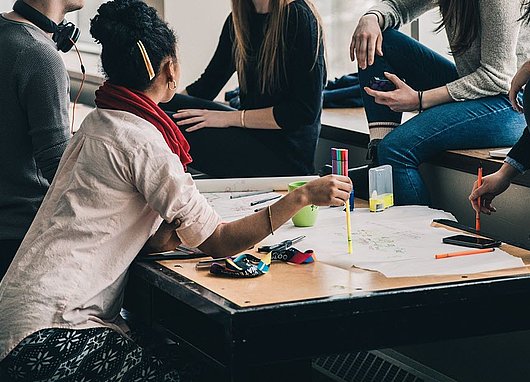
<point>270,327</point>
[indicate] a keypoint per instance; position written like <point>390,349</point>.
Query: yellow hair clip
<point>147,61</point>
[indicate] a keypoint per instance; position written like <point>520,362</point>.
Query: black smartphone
<point>471,241</point>
<point>382,84</point>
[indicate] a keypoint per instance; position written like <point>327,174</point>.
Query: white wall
<point>5,5</point>
<point>436,41</point>
<point>340,17</point>
<point>198,24</point>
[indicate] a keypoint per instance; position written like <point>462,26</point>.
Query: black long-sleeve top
<point>297,105</point>
<point>520,153</point>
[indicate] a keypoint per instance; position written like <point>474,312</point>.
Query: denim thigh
<point>483,123</point>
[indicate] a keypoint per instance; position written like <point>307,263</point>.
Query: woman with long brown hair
<point>276,48</point>
<point>463,105</point>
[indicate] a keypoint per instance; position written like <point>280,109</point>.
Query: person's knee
<point>385,152</point>
<point>392,38</point>
<point>393,152</point>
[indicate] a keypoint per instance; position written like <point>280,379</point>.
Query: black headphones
<point>63,34</point>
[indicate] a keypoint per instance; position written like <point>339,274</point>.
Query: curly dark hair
<point>118,26</point>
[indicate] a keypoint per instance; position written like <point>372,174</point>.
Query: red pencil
<point>463,253</point>
<point>477,216</point>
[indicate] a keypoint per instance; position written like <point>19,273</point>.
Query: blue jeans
<point>482,123</point>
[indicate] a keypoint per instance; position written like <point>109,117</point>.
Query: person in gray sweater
<point>462,105</point>
<point>34,127</point>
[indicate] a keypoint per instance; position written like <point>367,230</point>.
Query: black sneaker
<point>371,154</point>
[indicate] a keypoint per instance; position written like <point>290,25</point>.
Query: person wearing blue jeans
<point>461,106</point>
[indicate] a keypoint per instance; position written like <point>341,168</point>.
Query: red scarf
<point>115,97</point>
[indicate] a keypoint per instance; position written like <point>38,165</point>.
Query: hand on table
<point>404,98</point>
<point>520,80</point>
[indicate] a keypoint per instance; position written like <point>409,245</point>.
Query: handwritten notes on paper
<point>398,242</point>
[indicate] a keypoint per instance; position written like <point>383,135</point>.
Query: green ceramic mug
<point>307,216</point>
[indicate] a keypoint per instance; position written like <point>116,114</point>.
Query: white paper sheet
<point>398,242</point>
<point>249,184</point>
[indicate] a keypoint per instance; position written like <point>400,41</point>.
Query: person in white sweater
<point>120,187</point>
<point>462,105</point>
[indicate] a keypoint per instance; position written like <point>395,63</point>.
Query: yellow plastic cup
<point>307,216</point>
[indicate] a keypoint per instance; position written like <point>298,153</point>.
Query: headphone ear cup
<point>64,35</point>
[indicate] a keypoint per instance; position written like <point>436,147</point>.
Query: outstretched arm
<point>231,238</point>
<point>234,237</point>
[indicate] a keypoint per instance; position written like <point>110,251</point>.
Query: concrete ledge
<point>468,161</point>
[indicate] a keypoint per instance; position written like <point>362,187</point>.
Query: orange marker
<point>479,183</point>
<point>463,253</point>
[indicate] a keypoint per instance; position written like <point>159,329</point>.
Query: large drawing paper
<point>398,242</point>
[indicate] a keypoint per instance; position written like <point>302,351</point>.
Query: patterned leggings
<point>98,354</point>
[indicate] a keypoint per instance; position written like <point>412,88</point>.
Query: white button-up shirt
<point>116,181</point>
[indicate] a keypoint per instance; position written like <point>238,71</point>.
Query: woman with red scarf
<point>121,186</point>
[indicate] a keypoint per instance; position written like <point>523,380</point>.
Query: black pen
<point>250,194</point>
<point>265,200</point>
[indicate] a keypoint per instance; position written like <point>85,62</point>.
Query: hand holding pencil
<point>482,196</point>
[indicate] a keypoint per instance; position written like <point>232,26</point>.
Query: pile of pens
<point>339,163</point>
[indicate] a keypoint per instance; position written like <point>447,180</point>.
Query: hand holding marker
<point>339,161</point>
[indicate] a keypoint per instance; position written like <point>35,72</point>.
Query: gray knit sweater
<point>487,68</point>
<point>34,99</point>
